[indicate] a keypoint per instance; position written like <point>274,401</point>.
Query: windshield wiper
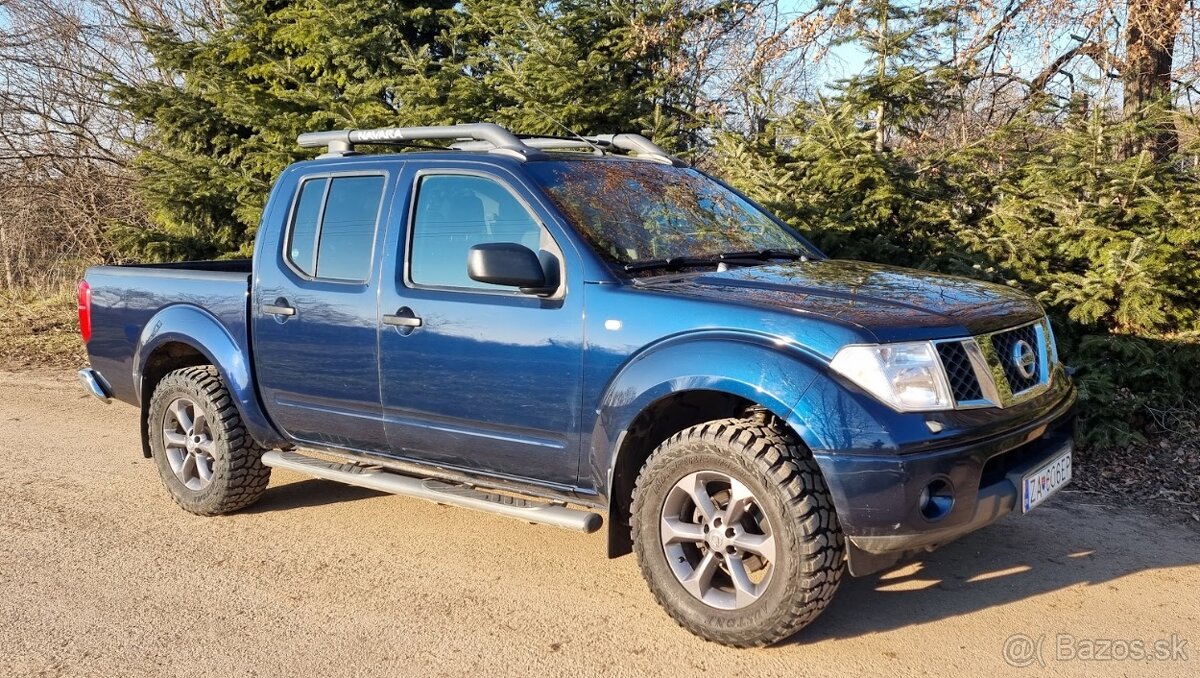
<point>673,263</point>
<point>676,263</point>
<point>765,255</point>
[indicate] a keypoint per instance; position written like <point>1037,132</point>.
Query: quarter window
<point>454,213</point>
<point>333,228</point>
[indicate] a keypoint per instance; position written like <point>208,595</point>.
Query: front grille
<point>964,385</point>
<point>1005,344</point>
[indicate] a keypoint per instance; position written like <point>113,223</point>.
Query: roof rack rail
<point>483,136</point>
<point>341,142</point>
<point>630,143</point>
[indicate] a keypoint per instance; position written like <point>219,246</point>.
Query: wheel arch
<point>660,392</point>
<point>182,336</point>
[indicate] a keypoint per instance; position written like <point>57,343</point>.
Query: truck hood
<point>891,303</point>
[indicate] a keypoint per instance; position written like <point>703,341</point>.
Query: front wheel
<point>735,532</point>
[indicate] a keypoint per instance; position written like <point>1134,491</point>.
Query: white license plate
<point>1037,486</point>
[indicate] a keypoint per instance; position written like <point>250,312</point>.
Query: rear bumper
<point>878,498</point>
<point>94,384</point>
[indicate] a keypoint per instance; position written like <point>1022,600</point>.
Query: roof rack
<point>484,136</point>
<point>630,143</point>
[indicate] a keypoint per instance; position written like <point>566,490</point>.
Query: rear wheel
<point>208,463</point>
<point>735,532</point>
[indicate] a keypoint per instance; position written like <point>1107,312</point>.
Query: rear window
<point>333,227</point>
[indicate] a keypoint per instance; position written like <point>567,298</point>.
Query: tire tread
<point>777,456</point>
<point>248,477</point>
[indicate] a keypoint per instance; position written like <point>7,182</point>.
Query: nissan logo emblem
<point>1024,358</point>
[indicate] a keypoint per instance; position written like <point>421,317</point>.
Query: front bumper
<point>878,497</point>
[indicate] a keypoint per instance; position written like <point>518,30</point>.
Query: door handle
<point>278,309</point>
<point>401,321</point>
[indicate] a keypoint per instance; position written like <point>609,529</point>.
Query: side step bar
<point>375,478</point>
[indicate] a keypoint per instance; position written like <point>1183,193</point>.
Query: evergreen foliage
<point>1050,202</point>
<point>579,66</point>
<point>225,118</point>
<point>1109,244</point>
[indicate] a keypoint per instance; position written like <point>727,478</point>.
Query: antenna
<point>568,130</point>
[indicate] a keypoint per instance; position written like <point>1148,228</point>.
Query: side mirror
<point>509,264</point>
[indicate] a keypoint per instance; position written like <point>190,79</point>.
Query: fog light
<point>936,499</point>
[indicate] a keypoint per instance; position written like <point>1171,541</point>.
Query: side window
<point>453,214</point>
<point>302,240</point>
<point>333,229</point>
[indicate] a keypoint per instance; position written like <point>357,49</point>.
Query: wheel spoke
<point>739,498</point>
<point>697,489</point>
<point>676,531</point>
<point>746,590</point>
<point>176,457</point>
<point>180,410</point>
<point>758,544</point>
<point>174,439</point>
<point>203,467</point>
<point>199,423</point>
<point>187,470</point>
<point>700,580</point>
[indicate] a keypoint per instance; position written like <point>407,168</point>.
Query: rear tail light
<point>85,311</point>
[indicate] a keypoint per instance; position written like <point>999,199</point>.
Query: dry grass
<point>39,329</point>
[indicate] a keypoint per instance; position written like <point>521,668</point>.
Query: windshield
<point>633,212</point>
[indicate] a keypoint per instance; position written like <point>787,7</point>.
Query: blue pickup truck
<point>551,328</point>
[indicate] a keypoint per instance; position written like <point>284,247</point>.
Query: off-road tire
<point>238,475</point>
<point>788,489</point>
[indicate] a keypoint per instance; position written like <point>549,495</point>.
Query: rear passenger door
<point>483,377</point>
<point>315,310</point>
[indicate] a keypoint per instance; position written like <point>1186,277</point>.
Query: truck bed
<point>126,297</point>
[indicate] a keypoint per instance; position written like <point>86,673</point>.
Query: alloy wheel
<point>188,443</point>
<point>717,540</point>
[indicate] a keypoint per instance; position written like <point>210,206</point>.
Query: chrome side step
<point>375,478</point>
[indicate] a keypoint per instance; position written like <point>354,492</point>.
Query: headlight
<point>907,376</point>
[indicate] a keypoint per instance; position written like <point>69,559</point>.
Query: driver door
<point>483,377</point>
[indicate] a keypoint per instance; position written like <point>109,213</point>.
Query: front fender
<point>199,329</point>
<point>766,370</point>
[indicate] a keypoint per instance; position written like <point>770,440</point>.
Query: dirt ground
<point>100,574</point>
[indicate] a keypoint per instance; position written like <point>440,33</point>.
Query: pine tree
<point>226,116</point>
<point>582,66</point>
<point>1111,241</point>
<point>1051,203</point>
<point>836,166</point>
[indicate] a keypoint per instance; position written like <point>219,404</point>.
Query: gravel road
<point>100,574</point>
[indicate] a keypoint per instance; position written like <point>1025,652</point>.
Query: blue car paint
<point>540,392</point>
<point>318,370</point>
<point>136,314</point>
<point>488,371</point>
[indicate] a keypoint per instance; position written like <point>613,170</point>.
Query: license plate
<point>1036,487</point>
